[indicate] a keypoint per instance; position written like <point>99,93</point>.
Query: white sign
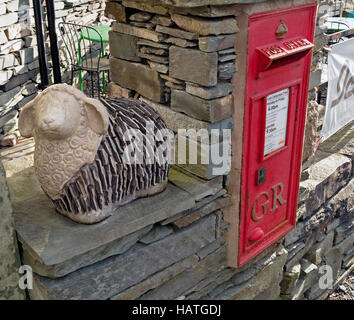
<point>340,95</point>
<point>276,121</point>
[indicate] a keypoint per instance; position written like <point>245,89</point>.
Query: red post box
<point>278,67</point>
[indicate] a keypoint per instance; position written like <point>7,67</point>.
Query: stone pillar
<point>9,257</point>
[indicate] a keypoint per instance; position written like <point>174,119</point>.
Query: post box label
<point>276,121</point>
<point>278,71</point>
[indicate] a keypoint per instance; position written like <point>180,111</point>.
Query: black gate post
<point>43,68</point>
<point>53,40</point>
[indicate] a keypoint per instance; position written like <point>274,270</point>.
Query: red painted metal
<point>270,181</point>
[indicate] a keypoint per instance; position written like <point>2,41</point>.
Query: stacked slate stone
<point>19,66</point>
<point>181,62</point>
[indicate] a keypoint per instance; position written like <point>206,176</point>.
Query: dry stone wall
<point>182,65</point>
<point>19,66</point>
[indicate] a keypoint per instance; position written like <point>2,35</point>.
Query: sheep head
<point>67,127</point>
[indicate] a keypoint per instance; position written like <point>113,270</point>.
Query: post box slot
<point>282,53</point>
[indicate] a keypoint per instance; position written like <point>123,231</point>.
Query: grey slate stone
<point>157,233</point>
<point>55,241</point>
<point>123,46</point>
<point>193,65</point>
<point>212,44</point>
<point>208,93</point>
<point>113,275</point>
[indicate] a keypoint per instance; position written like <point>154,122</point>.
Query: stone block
<point>113,275</point>
<point>38,226</point>
<point>207,11</point>
<point>318,251</point>
<point>8,19</point>
<point>194,66</point>
<point>148,43</point>
<point>114,90</point>
<point>206,110</point>
<point>197,188</point>
<point>157,279</point>
<point>146,6</point>
<point>181,42</point>
<point>157,233</point>
<point>161,20</point>
<point>290,279</point>
<point>19,80</point>
<point>205,27</point>
<point>226,70</point>
<point>208,93</point>
<point>123,46</point>
<point>153,58</point>
<point>161,68</point>
<point>9,255</point>
<point>116,11</point>
<point>8,61</point>
<point>137,77</point>
<point>137,32</point>
<point>177,33</point>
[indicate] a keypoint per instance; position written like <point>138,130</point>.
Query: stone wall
<point>19,68</point>
<point>9,256</point>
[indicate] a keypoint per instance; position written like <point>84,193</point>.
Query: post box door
<point>279,58</point>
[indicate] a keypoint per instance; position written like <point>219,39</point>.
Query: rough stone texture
<point>178,33</point>
<point>208,93</point>
<point>116,11</point>
<point>207,11</point>
<point>9,256</point>
<point>205,27</point>
<point>136,77</point>
<point>123,46</point>
<point>194,66</point>
<point>145,6</point>
<point>310,135</point>
<point>113,275</point>
<point>137,32</point>
<point>290,278</point>
<point>49,236</point>
<point>114,91</point>
<point>207,110</point>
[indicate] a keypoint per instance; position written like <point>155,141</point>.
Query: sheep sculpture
<point>80,144</point>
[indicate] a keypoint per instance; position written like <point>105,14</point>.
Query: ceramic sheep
<point>80,145</point>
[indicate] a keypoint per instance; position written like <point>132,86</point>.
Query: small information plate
<point>276,121</point>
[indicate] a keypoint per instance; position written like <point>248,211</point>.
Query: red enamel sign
<point>279,58</point>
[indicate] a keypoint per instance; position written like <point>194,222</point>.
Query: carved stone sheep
<point>79,151</point>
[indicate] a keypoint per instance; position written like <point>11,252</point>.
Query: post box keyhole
<point>261,176</point>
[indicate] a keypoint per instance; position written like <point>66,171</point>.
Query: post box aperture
<point>278,66</point>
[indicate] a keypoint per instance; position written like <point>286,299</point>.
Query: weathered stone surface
<point>161,20</point>
<point>226,70</point>
<point>49,237</point>
<point>317,252</point>
<point>226,58</point>
<point>123,46</point>
<point>341,142</point>
<point>157,233</point>
<point>290,278</point>
<point>137,32</point>
<point>8,19</point>
<point>207,110</point>
<point>207,11</point>
<point>196,187</point>
<point>142,42</point>
<point>145,6</point>
<point>138,77</point>
<point>114,90</point>
<point>177,33</point>
<point>140,17</point>
<point>181,42</point>
<point>113,275</point>
<point>269,275</point>
<point>208,93</point>
<point>116,11</point>
<point>334,171</point>
<point>154,58</point>
<point>180,284</point>
<point>205,27</point>
<point>157,279</point>
<point>193,65</point>
<point>161,68</point>
<point>19,79</point>
<point>9,256</point>
<point>311,135</point>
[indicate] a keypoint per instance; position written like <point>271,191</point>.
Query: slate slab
<point>56,245</point>
<point>115,274</point>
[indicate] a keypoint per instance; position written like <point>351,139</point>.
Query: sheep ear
<point>97,115</point>
<point>26,121</point>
